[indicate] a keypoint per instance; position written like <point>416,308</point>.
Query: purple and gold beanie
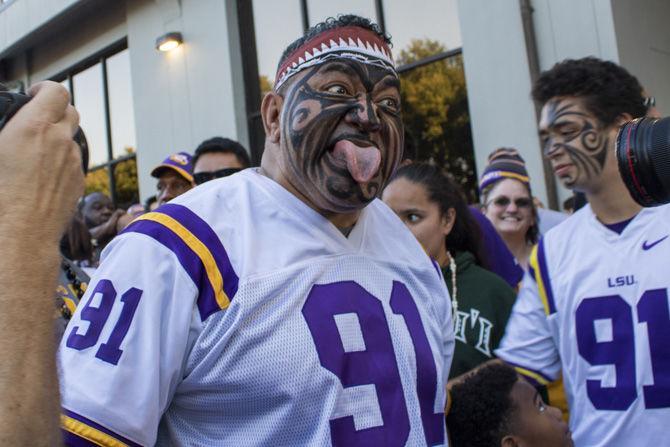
<point>504,162</point>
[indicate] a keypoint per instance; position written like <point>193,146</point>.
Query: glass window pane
<point>276,24</point>
<point>319,10</point>
<point>437,120</point>
<point>88,100</point>
<point>125,178</point>
<point>422,19</point>
<point>122,114</point>
<point>98,181</point>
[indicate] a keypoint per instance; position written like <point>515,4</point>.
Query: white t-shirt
<point>237,315</point>
<point>595,306</point>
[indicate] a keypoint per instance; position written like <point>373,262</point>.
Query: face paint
<point>341,133</point>
<point>574,141</point>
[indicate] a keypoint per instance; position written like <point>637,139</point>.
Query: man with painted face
<point>595,303</point>
<point>268,307</point>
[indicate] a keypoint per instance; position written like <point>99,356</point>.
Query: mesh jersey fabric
<point>595,306</point>
<point>313,338</point>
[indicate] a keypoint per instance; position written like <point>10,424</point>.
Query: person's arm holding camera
<point>40,181</point>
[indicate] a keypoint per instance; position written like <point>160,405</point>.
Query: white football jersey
<point>595,306</point>
<point>237,315</point>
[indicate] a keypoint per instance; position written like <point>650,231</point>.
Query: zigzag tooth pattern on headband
<point>350,42</point>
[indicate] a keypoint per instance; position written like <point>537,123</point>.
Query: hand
<point>123,222</point>
<point>40,173</point>
<point>106,231</point>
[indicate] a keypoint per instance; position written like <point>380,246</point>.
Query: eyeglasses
<point>504,201</point>
<point>203,177</point>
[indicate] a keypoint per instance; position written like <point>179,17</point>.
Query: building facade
<point>138,104</point>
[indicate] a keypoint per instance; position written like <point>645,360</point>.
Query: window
<point>276,24</point>
<point>427,41</point>
<point>101,91</point>
<point>320,10</point>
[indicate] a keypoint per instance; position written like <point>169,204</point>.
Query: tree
<point>125,179</point>
<point>435,112</point>
<point>265,83</point>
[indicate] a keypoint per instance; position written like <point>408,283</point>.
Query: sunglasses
<point>503,202</point>
<point>203,177</point>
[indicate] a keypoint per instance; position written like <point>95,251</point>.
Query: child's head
<point>495,407</point>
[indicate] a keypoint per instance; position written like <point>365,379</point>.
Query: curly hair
<point>443,191</point>
<point>335,22</point>
<point>482,408</point>
<point>607,89</point>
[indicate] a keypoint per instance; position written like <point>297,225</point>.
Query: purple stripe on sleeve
<point>542,263</point>
<point>207,236</point>
<point>207,304</point>
<point>72,439</point>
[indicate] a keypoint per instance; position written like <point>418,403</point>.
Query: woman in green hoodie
<point>434,209</point>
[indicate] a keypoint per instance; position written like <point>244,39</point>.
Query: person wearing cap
<point>175,176</point>
<point>218,157</point>
<point>507,202</point>
<point>283,305</point>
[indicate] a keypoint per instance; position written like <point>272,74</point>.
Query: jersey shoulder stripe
<point>539,272</point>
<point>80,431</point>
<point>199,250</point>
<point>198,227</point>
<point>535,377</point>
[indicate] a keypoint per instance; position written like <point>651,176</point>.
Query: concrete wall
<point>643,41</point>
<point>22,17</point>
<point>573,29</point>
<point>190,94</point>
<point>62,50</point>
<point>498,80</point>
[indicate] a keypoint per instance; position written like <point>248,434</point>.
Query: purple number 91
<point>619,348</point>
<point>97,317</point>
<point>376,363</point>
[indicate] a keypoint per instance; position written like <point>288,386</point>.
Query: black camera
<point>10,103</point>
<point>643,156</point>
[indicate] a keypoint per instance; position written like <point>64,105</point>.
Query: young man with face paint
<point>268,307</point>
<point>595,303</point>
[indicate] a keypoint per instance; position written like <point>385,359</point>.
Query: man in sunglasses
<point>218,157</point>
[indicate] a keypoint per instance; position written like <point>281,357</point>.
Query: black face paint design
<point>579,135</point>
<point>340,100</point>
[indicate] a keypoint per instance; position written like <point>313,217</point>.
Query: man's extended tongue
<point>362,162</point>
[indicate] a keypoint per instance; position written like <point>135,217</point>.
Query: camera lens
<point>643,157</point>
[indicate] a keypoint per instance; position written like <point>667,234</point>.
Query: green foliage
<point>435,112</point>
<point>125,177</point>
<point>97,181</point>
<point>265,84</point>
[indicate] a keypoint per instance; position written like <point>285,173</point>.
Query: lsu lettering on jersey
<point>237,315</point>
<point>595,306</point>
